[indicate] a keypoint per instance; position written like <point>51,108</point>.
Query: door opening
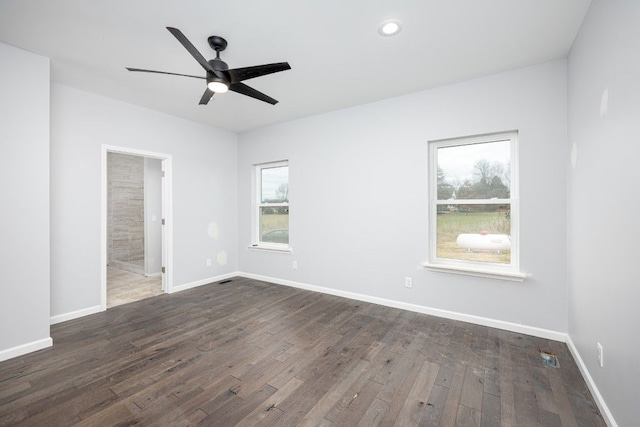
<point>136,201</point>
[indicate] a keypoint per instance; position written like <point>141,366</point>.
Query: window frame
<point>258,205</point>
<point>509,271</point>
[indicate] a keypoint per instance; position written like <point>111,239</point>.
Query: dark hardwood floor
<point>253,353</point>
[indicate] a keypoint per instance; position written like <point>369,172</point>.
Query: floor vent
<point>549,359</point>
<point>225,281</point>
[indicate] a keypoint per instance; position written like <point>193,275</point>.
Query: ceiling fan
<point>219,77</point>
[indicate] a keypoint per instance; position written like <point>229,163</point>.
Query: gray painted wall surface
<point>125,208</point>
<point>204,190</point>
<point>24,216</point>
<point>604,201</point>
<point>358,195</point>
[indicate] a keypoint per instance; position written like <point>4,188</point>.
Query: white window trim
<point>271,247</point>
<point>477,272</point>
<point>257,204</point>
<point>471,268</point>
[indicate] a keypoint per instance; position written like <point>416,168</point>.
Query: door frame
<point>167,216</point>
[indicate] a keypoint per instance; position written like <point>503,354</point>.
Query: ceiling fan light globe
<point>217,87</point>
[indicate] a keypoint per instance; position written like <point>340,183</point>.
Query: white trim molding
<point>30,347</point>
<point>478,320</point>
<point>203,282</point>
<point>76,314</point>
<point>167,215</point>
<point>495,274</point>
<point>98,308</point>
<point>602,405</point>
<point>266,248</point>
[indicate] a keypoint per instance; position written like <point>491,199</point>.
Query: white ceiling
<point>337,57</point>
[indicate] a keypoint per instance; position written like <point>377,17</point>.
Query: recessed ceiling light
<point>390,27</point>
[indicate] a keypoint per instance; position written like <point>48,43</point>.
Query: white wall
<point>152,215</point>
<point>358,195</point>
<point>24,195</point>
<point>204,191</point>
<point>604,201</point>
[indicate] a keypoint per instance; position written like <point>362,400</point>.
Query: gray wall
<point>604,200</point>
<point>204,191</point>
<point>24,216</point>
<point>125,209</point>
<point>358,195</point>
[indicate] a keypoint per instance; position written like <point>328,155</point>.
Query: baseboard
<point>97,309</point>
<point>202,282</point>
<point>75,314</point>
<point>602,406</point>
<point>10,353</point>
<point>484,321</point>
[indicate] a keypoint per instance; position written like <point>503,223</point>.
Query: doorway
<point>135,225</point>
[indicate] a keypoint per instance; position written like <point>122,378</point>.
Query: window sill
<point>268,248</point>
<point>500,275</point>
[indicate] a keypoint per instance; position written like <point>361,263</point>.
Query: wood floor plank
<point>266,414</point>
<point>472,388</point>
<point>450,411</point>
<point>317,413</point>
<point>418,397</point>
<point>586,412</point>
<point>526,409</point>
<point>374,415</point>
<point>467,417</point>
<point>491,384</point>
<point>490,414</point>
<point>357,405</point>
<point>561,400</point>
<point>249,352</point>
<point>507,400</point>
<point>235,409</point>
<point>306,357</point>
<point>543,390</point>
<point>403,375</point>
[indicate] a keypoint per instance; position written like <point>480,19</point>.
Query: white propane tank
<point>484,240</point>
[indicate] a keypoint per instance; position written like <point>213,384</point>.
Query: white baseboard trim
<point>202,282</point>
<point>75,314</point>
<point>484,321</point>
<point>10,353</point>
<point>602,405</point>
<point>97,309</point>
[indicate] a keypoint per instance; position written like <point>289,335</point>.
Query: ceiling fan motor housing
<point>218,65</point>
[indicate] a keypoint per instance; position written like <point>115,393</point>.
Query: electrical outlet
<point>295,265</point>
<point>208,262</point>
<point>408,282</point>
<point>600,355</point>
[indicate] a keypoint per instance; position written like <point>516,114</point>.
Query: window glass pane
<point>474,171</point>
<point>275,184</point>
<point>474,233</point>
<point>274,224</point>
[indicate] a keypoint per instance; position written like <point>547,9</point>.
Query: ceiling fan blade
<point>206,96</point>
<point>246,73</point>
<point>191,48</point>
<point>249,91</point>
<point>163,72</point>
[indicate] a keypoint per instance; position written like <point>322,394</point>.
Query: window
<point>272,213</point>
<point>473,219</point>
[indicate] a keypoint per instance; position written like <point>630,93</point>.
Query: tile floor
<point>124,286</point>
